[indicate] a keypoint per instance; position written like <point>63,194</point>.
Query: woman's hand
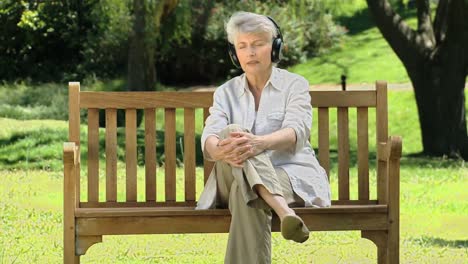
<point>239,147</point>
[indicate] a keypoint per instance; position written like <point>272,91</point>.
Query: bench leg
<point>393,244</point>
<point>69,255</point>
<point>69,242</point>
<point>380,239</point>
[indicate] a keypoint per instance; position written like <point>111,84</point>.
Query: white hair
<point>246,22</point>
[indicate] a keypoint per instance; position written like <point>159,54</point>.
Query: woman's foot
<point>293,228</point>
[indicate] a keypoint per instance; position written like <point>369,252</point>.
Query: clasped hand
<point>238,147</point>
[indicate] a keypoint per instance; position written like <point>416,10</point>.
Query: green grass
<point>434,213</point>
<point>363,55</point>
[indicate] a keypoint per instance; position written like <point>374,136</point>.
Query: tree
<point>147,17</point>
<point>435,56</point>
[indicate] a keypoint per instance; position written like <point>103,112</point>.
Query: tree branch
<point>424,23</point>
<point>465,37</point>
<point>440,21</point>
<point>402,39</point>
<point>457,27</point>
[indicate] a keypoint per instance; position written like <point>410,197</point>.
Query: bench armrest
<point>71,161</point>
<point>388,155</point>
<point>393,155</point>
<point>394,146</point>
<point>71,153</point>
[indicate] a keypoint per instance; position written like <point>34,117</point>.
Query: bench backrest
<point>323,101</point>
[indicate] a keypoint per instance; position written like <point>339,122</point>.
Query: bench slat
<point>131,154</point>
<point>111,155</point>
<point>123,100</point>
<point>343,98</point>
<point>140,100</point>
<point>189,153</point>
<point>170,153</point>
<point>150,154</point>
<point>363,153</point>
<point>207,165</point>
<point>343,154</point>
<point>324,139</point>
<point>93,155</point>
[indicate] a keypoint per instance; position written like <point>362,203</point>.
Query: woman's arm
<point>248,145</point>
<point>227,150</point>
<point>283,139</point>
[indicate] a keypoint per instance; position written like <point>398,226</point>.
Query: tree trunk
<point>141,71</point>
<point>439,93</point>
<point>142,45</point>
<point>141,68</point>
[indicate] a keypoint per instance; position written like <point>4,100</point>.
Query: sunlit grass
<point>363,55</point>
<point>434,213</point>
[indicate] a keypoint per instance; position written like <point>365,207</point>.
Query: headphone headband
<point>276,46</point>
<point>278,29</point>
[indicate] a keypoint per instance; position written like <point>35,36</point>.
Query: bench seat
<point>170,220</point>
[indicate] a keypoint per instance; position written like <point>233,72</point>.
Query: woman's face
<point>254,52</point>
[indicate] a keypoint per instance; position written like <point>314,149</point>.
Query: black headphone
<point>276,47</point>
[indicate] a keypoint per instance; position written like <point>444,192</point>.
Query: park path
<point>357,86</point>
<point>353,86</point>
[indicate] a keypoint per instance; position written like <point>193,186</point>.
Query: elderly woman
<point>258,135</point>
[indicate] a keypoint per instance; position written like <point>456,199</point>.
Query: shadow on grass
<point>43,148</point>
<point>37,149</point>
<point>426,241</point>
<point>362,20</point>
<point>419,159</point>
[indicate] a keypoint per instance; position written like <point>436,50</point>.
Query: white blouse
<point>285,102</point>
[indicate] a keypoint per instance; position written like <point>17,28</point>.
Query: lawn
<point>434,213</point>
<point>363,55</point>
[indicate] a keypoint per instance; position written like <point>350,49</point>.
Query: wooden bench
<point>85,222</point>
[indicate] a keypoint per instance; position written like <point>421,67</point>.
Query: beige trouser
<point>250,231</point>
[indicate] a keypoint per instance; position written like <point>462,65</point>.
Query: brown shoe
<point>293,228</point>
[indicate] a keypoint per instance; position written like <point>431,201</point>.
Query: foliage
<point>105,52</point>
<point>307,27</point>
<point>70,40</point>
<point>43,40</point>
<point>24,101</point>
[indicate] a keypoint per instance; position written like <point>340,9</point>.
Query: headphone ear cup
<point>276,49</point>
<point>233,55</point>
